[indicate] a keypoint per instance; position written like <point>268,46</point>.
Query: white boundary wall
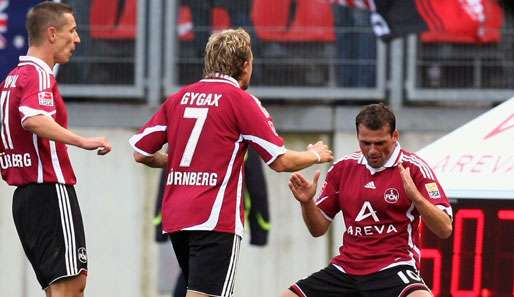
<point>117,201</point>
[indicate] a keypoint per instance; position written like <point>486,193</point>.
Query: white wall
<point>117,200</point>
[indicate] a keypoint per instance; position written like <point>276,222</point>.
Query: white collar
<point>217,76</point>
<point>391,162</point>
<point>38,62</point>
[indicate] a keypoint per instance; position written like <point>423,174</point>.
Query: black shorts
<point>397,281</point>
<point>208,260</point>
<point>49,224</point>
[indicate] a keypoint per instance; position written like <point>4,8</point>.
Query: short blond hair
<point>226,51</point>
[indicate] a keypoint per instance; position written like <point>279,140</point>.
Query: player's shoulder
<point>415,162</point>
<point>32,73</point>
<point>348,160</point>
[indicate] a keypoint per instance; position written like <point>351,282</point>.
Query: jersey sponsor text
<point>15,160</point>
<point>182,178</point>
<point>371,230</point>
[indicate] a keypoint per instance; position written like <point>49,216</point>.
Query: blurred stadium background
<point>316,62</point>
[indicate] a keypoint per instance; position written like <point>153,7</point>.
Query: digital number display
<point>478,259</point>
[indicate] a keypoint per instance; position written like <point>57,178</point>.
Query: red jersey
<point>30,89</point>
<point>208,126</point>
<point>381,222</point>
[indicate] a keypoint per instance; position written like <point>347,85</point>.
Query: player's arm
<point>434,218</point>
<point>45,127</point>
<point>304,191</point>
<point>294,160</point>
<point>157,160</point>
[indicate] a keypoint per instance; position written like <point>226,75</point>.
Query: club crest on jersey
<point>391,195</point>
<point>433,190</point>
<point>45,98</point>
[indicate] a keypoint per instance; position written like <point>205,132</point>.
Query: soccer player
<point>383,191</point>
<point>34,157</point>
<point>208,126</point>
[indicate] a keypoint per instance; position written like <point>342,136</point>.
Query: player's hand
<point>408,184</point>
<point>303,190</point>
<point>322,150</point>
<point>97,143</point>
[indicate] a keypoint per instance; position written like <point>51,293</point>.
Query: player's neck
<point>43,54</point>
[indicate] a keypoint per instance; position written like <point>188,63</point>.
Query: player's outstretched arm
<point>435,219</point>
<point>294,160</point>
<point>304,191</point>
<point>46,127</point>
<point>157,160</point>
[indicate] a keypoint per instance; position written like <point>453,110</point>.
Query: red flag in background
<point>462,21</point>
<point>456,21</point>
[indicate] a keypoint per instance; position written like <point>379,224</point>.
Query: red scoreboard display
<point>478,259</point>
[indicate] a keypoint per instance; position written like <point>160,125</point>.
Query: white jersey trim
<point>136,138</point>
<point>30,112</point>
<point>6,138</point>
<point>212,221</point>
<point>55,163</point>
<point>39,163</point>
<point>222,78</point>
<point>411,244</point>
<point>447,210</point>
<point>238,222</point>
<point>37,61</point>
<point>325,215</point>
<point>425,170</point>
<point>273,149</point>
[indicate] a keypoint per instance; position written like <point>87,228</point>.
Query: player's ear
<point>396,135</point>
<point>51,33</point>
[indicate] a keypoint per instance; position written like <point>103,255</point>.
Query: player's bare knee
<point>420,293</point>
<point>288,293</point>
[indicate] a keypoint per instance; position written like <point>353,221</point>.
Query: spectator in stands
<point>203,22</point>
<point>201,13</point>
<point>355,47</point>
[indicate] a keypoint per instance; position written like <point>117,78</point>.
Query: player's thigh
<point>180,242</point>
<point>213,260</point>
<point>50,228</point>
<point>400,281</point>
<point>68,287</point>
<point>328,282</point>
<point>420,293</point>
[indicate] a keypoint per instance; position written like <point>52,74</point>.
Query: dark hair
<point>45,14</point>
<point>376,116</point>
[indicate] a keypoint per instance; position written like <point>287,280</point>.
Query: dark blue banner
<point>13,36</point>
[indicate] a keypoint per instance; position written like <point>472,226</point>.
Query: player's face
<point>377,145</point>
<point>244,82</point>
<point>66,40</point>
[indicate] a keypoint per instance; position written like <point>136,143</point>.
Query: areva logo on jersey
<point>391,195</point>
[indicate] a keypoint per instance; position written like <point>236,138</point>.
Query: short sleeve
<point>328,200</point>
<point>256,126</point>
<point>428,185</point>
<point>153,135</point>
<point>36,95</point>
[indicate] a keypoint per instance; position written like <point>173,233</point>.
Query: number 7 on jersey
<point>200,114</point>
